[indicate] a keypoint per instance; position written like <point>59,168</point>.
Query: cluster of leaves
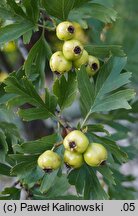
<point>128,22</point>
<point>98,98</point>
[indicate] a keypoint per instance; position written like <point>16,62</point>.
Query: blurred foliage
<point>18,156</point>
<point>125,32</point>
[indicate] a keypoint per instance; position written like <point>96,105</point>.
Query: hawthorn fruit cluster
<point>73,54</point>
<point>77,151</point>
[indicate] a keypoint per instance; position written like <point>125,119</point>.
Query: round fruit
<point>49,161</point>
<point>59,64</point>
<point>72,49</point>
<point>76,141</point>
<point>82,60</point>
<point>93,65</point>
<point>73,159</point>
<point>55,43</point>
<point>79,33</point>
<point>95,154</point>
<point>3,76</point>
<point>65,30</point>
<point>9,46</point>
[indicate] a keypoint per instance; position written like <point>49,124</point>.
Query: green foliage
<point>128,23</point>
<point>28,94</point>
<point>61,8</point>
<point>35,63</point>
<point>104,100</point>
<point>104,95</point>
<point>4,169</point>
<point>107,174</point>
<point>96,11</point>
<point>44,143</point>
<point>47,181</point>
<point>104,51</point>
<point>16,8</point>
<point>3,146</point>
<point>69,87</point>
<point>60,186</point>
<point>32,9</point>
<point>85,178</point>
<point>127,191</point>
<point>10,193</point>
<point>16,30</point>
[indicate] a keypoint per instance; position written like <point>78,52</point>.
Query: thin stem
<point>46,27</point>
<point>58,127</point>
<point>15,183</point>
<point>54,22</point>
<point>86,118</point>
<point>57,145</point>
<point>62,122</point>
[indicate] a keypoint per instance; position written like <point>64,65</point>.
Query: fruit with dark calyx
<point>93,65</point>
<point>65,30</point>
<point>82,60</point>
<point>72,49</point>
<point>95,155</point>
<point>73,159</point>
<point>59,64</point>
<point>49,161</point>
<point>76,141</point>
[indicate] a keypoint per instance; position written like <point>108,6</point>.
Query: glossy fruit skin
<point>82,60</point>
<point>73,159</point>
<point>49,160</point>
<point>72,49</point>
<point>93,65</point>
<point>95,154</point>
<point>65,30</point>
<point>59,64</point>
<point>76,141</point>
<point>79,33</point>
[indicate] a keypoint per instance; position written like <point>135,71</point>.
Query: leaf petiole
<point>57,145</point>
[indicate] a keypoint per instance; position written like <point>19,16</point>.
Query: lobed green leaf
<point>65,90</point>
<point>14,31</point>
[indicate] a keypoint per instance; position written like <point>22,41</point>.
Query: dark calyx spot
<point>77,50</point>
<point>94,66</point>
<point>103,163</point>
<point>71,29</point>
<point>57,73</point>
<point>68,166</point>
<point>72,145</point>
<point>48,170</point>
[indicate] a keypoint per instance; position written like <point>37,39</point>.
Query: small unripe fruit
<point>72,49</point>
<point>76,141</point>
<point>82,60</point>
<point>73,159</point>
<point>95,154</point>
<point>65,30</point>
<point>79,33</point>
<point>49,161</point>
<point>93,65</point>
<point>3,76</point>
<point>59,64</point>
<point>9,47</point>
